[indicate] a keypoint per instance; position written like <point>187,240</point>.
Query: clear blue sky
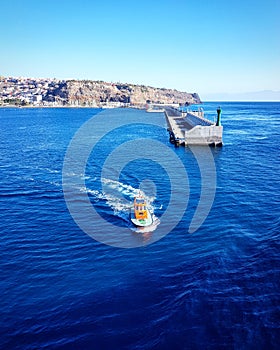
<point>203,46</point>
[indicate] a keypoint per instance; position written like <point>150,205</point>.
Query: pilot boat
<point>140,215</point>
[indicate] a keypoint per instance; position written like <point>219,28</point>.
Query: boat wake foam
<point>119,197</point>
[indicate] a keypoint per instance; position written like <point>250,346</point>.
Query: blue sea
<point>75,272</point>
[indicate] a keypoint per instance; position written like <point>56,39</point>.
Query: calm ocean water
<point>217,288</point>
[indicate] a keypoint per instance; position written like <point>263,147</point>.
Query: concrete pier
<point>191,128</point>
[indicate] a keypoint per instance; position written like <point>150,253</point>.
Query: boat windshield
<point>140,207</point>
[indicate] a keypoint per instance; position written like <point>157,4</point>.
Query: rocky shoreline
<point>86,93</point>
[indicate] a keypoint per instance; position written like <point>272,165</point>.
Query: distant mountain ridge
<point>265,95</point>
<point>87,93</point>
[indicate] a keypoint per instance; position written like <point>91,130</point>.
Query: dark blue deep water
<point>216,288</point>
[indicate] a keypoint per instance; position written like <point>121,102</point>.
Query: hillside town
<point>30,92</point>
<point>45,92</point>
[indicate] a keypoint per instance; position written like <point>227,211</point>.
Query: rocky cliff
<point>88,91</point>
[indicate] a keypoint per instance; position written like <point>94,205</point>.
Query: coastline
<point>86,93</point>
<point>22,107</point>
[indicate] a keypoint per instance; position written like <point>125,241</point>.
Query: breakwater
<point>192,128</point>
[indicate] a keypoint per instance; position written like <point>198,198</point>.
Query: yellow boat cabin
<point>140,208</point>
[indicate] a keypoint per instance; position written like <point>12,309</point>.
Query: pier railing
<point>197,118</point>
